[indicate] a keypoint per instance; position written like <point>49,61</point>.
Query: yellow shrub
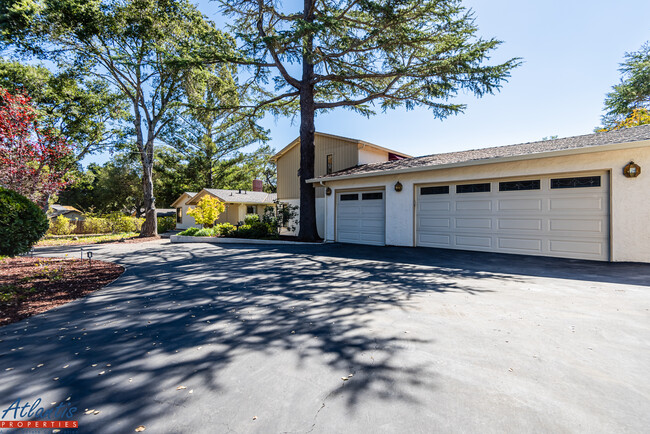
<point>207,211</point>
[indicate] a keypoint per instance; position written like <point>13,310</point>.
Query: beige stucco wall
<point>369,155</point>
<point>188,220</point>
<point>344,155</point>
<point>630,197</point>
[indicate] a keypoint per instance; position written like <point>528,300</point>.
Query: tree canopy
<point>629,101</point>
<point>360,55</point>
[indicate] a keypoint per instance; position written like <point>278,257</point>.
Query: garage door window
<point>473,188</point>
<point>371,196</point>
<point>519,185</point>
<point>440,189</point>
<point>577,182</point>
<point>354,196</point>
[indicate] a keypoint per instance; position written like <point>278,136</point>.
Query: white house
<point>578,197</point>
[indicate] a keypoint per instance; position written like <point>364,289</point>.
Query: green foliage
<point>632,93</point>
<point>257,230</point>
<point>118,222</point>
<point>205,232</point>
<point>97,225</point>
<point>85,112</point>
<point>60,226</point>
<point>225,229</point>
<point>166,224</point>
<point>22,223</point>
<point>249,219</point>
<point>282,215</point>
<point>190,232</point>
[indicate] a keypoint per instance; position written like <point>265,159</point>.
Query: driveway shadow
<point>122,347</point>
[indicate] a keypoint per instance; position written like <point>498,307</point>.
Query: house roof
<point>347,139</point>
<point>236,196</point>
<point>586,143</point>
<point>187,194</point>
<point>165,212</point>
<point>58,210</point>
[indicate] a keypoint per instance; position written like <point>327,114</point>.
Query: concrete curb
<point>219,240</point>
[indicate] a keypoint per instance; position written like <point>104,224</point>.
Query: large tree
<point>85,112</point>
<point>628,103</point>
<point>356,53</point>
<point>143,48</point>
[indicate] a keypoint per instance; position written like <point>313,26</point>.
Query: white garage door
<point>360,217</point>
<point>558,215</point>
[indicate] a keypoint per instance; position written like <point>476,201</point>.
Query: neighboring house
<point>165,212</point>
<point>573,197</point>
<point>238,203</point>
<point>332,154</point>
<point>69,212</point>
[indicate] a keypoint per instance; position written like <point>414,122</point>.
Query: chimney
<point>258,185</point>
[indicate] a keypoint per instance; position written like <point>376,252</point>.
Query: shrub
<point>166,224</point>
<point>138,223</point>
<point>60,226</point>
<point>22,223</point>
<point>121,223</point>
<point>205,232</point>
<point>225,229</point>
<point>190,232</point>
<point>256,230</point>
<point>97,225</point>
<point>207,211</point>
<point>250,219</point>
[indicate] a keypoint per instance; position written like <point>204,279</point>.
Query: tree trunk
<point>150,225</point>
<point>308,231</point>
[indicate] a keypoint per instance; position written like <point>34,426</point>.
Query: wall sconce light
<point>631,170</point>
<point>328,191</point>
<point>398,186</point>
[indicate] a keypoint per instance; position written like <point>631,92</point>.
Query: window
<point>371,196</point>
<point>329,163</point>
<point>179,215</point>
<point>473,188</point>
<point>251,209</point>
<point>441,189</point>
<point>578,182</point>
<point>519,185</point>
<point>350,196</point>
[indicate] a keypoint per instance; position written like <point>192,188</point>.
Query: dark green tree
<point>355,54</point>
<point>630,99</point>
<point>144,49</point>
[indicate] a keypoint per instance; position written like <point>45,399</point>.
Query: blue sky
<point>571,52</point>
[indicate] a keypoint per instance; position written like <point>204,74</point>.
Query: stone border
<point>220,240</point>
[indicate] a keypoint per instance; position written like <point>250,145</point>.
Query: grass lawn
<point>65,240</point>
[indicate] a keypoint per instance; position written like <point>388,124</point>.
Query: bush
<point>251,219</point>
<point>97,225</point>
<point>166,224</point>
<point>205,232</point>
<point>22,223</point>
<point>225,229</point>
<point>207,211</point>
<point>119,222</point>
<point>60,226</point>
<point>190,232</point>
<point>257,230</point>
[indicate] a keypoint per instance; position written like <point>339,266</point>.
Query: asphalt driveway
<point>203,339</point>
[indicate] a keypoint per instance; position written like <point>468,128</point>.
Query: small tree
<point>33,161</point>
<point>22,223</point>
<point>207,211</point>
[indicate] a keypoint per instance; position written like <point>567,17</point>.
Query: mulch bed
<point>34,285</point>
<point>132,240</point>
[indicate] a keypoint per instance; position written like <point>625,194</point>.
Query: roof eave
<point>548,154</point>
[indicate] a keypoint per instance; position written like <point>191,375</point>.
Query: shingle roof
<point>242,196</point>
<point>58,210</point>
<point>626,135</point>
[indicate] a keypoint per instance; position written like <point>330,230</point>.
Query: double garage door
<point>563,216</point>
<point>554,215</point>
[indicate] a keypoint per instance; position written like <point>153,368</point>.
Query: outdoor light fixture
<point>328,191</point>
<point>398,186</point>
<point>631,170</point>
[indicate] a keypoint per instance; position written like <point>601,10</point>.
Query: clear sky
<point>571,52</point>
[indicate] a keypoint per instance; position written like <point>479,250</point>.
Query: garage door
<point>360,217</point>
<point>564,216</point>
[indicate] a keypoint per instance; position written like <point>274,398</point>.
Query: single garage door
<point>360,217</point>
<point>559,215</point>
